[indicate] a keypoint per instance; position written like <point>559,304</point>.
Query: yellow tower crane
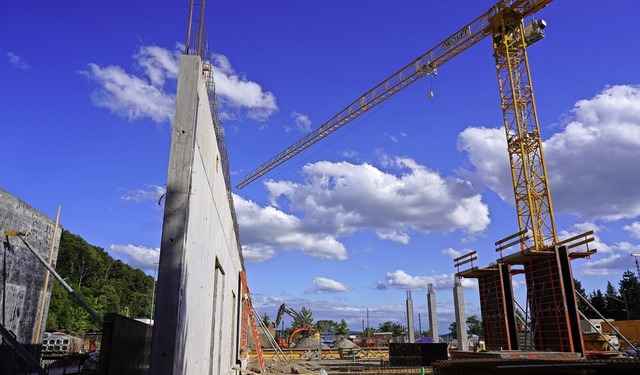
<point>503,22</point>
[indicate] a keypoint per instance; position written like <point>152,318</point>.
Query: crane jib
<point>464,38</point>
<point>457,37</point>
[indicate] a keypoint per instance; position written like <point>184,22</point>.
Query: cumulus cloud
<point>633,229</point>
<point>453,253</point>
<point>144,258</point>
<point>143,96</point>
<point>324,285</point>
<point>270,227</point>
<point>617,260</point>
<point>591,163</point>
<point>342,198</point>
<point>129,96</point>
<point>149,193</point>
<point>301,121</point>
<point>258,253</point>
<point>399,279</point>
<point>17,61</point>
<point>338,199</point>
<point>158,63</point>
<point>349,154</point>
<point>235,91</point>
<point>486,149</point>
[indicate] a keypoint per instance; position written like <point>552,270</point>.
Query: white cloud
<point>17,61</point>
<point>618,259</point>
<point>342,198</point>
<point>144,258</point>
<point>592,163</point>
<point>349,154</point>
<point>487,152</point>
<point>129,96</point>
<point>268,226</point>
<point>158,63</point>
<point>324,285</point>
<point>302,122</point>
<point>633,228</point>
<point>236,92</point>
<point>258,253</point>
<point>136,97</point>
<point>395,138</point>
<point>453,253</point>
<point>401,280</point>
<point>150,193</point>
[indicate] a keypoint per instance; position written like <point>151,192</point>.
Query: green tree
<point>453,328</point>
<point>266,320</point>
<point>475,325</point>
<point>105,284</point>
<point>325,326</point>
<point>614,304</point>
<point>580,290</point>
<point>307,317</point>
<point>629,288</point>
<point>342,328</point>
<point>389,326</point>
<point>598,301</point>
<point>368,332</point>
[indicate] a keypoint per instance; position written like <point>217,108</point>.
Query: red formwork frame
<point>496,299</point>
<point>551,295</point>
<point>497,306</point>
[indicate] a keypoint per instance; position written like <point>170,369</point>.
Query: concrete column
<point>461,321</point>
<point>411,335</point>
<point>433,319</point>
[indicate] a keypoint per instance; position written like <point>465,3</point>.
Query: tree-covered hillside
<point>107,285</point>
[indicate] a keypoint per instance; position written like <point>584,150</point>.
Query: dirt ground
<point>315,367</point>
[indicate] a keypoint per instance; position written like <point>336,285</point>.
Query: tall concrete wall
<point>198,298</point>
<point>22,276</point>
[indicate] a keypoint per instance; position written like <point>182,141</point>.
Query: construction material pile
<point>310,343</point>
<point>345,343</point>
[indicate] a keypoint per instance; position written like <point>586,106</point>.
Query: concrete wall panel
<point>22,290</point>
<point>200,260</point>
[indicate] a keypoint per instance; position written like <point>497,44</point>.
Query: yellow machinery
<point>503,23</point>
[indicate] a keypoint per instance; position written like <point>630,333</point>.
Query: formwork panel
<point>497,309</point>
<point>549,313</point>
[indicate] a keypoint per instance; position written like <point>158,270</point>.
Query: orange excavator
<point>298,322</point>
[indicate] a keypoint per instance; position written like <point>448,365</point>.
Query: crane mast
<point>524,144</point>
<point>504,23</point>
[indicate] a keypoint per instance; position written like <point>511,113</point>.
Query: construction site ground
<point>331,367</point>
<point>446,367</point>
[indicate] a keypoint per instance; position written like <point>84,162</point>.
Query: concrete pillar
<point>411,335</point>
<point>461,321</point>
<point>433,318</point>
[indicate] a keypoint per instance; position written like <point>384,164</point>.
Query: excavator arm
<point>426,64</point>
<point>297,317</point>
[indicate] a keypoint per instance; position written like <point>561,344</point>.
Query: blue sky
<point>380,207</point>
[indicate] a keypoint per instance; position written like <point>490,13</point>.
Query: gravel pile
<point>345,343</point>
<point>310,342</point>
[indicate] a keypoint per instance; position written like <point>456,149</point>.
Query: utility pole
<point>637,266</point>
